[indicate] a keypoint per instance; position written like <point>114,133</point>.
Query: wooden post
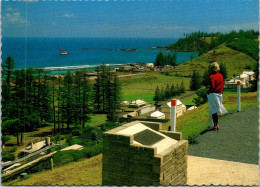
<point>238,96</point>
<point>173,114</point>
<point>51,160</point>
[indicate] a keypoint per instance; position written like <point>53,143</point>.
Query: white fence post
<point>238,96</point>
<point>173,114</point>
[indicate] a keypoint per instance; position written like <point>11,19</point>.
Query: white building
<point>232,83</point>
<point>137,103</point>
<point>126,103</point>
<point>157,115</point>
<point>250,75</point>
<point>192,108</point>
<point>180,109</point>
<point>149,65</point>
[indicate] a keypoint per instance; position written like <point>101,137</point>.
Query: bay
<point>42,52</point>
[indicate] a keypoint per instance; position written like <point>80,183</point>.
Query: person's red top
<point>216,83</point>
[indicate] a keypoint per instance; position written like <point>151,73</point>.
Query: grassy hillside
<point>84,172</point>
<point>89,171</point>
<point>143,86</point>
<point>235,61</point>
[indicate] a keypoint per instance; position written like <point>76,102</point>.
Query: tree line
<point>168,92</point>
<point>162,60</point>
<point>32,98</point>
<point>202,42</point>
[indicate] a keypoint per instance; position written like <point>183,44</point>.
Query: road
<point>228,156</point>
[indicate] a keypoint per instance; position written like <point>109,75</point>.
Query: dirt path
<point>227,156</point>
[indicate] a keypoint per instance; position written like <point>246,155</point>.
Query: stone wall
<point>127,164</point>
<point>174,164</point>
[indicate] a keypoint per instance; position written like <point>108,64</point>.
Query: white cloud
<point>13,16</point>
<point>68,15</point>
<point>229,27</point>
<point>149,30</point>
<point>9,9</point>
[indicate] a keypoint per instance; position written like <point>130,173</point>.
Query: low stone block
<point>166,165</point>
<point>182,168</point>
<point>167,157</point>
<point>182,161</point>
<point>169,171</point>
<point>173,135</point>
<point>152,125</point>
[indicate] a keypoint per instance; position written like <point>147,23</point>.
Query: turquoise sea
<point>84,52</point>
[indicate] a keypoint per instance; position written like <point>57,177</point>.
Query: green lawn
<point>143,86</point>
<point>97,119</point>
<point>189,101</point>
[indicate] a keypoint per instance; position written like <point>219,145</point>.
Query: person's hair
<point>215,67</point>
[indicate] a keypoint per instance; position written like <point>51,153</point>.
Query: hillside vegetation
<point>247,46</point>
<point>89,171</point>
<point>203,42</point>
<point>235,61</point>
<point>83,172</point>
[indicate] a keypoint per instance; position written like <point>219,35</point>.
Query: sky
<point>126,18</point>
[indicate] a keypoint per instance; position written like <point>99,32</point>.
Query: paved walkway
<point>207,171</point>
<point>228,156</point>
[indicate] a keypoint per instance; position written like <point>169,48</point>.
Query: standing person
<point>215,94</point>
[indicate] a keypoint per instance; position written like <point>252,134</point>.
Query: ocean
<point>43,52</point>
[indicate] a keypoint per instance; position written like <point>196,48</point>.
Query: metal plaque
<point>147,137</point>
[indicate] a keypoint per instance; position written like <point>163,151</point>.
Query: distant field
<point>143,86</point>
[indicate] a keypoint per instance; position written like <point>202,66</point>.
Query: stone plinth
<point>140,153</point>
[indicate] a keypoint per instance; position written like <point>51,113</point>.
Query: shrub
<point>57,137</point>
<point>92,133</point>
<point>13,149</point>
<point>108,125</point>
<point>69,139</point>
<point>192,140</point>
<point>45,164</point>
<point>7,156</point>
<point>202,93</point>
<point>63,157</point>
<point>75,132</point>
<point>248,67</point>
<point>5,139</point>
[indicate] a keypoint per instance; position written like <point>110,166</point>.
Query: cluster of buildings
<point>140,67</point>
<point>141,108</point>
<point>244,79</point>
